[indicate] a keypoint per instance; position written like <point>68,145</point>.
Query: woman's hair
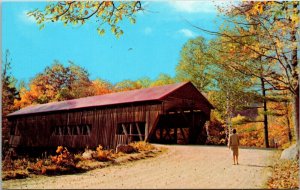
<point>234,131</point>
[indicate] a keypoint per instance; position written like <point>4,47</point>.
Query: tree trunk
<point>228,114</point>
<point>286,105</point>
<point>266,131</point>
<point>296,112</point>
<point>295,72</point>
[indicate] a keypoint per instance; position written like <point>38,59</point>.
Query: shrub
<point>238,120</point>
<point>78,157</point>
<point>142,146</point>
<point>102,155</point>
<point>128,149</point>
<point>88,154</point>
<point>63,162</point>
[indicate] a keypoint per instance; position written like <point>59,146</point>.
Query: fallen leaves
<point>285,175</point>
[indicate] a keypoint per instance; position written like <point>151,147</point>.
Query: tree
<point>144,82</point>
<point>274,26</point>
<point>257,69</point>
<point>101,86</point>
<point>278,43</point>
<point>194,64</point>
<point>56,83</point>
<point>232,93</point>
<point>80,84</point>
<point>79,12</point>
<point>163,79</point>
<point>126,85</point>
<point>9,93</point>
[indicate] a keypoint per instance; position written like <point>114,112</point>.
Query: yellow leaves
<point>285,175</point>
<point>100,12</point>
<point>295,19</point>
<point>258,8</point>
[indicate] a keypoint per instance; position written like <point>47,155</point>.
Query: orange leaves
<point>63,158</point>
<point>59,149</point>
<point>39,164</point>
<point>54,158</point>
<point>102,155</point>
<point>100,87</point>
<point>107,3</point>
<point>43,170</point>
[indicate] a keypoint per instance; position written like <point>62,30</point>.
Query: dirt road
<point>180,167</point>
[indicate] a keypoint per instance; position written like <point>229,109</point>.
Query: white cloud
<point>200,6</point>
<point>187,33</point>
<point>148,30</point>
<point>27,19</point>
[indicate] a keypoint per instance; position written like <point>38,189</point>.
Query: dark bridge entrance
<point>179,128</point>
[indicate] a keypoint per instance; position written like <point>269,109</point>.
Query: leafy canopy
<point>79,12</point>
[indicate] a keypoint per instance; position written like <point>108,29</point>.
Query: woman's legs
<point>236,159</point>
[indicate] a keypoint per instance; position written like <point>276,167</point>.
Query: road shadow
<point>254,165</point>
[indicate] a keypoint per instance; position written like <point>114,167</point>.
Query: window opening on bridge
<point>135,131</point>
<point>74,130</point>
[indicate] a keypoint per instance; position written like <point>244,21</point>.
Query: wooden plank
<point>125,131</point>
<point>130,132</point>
<point>147,125</point>
<point>154,128</point>
<point>139,131</point>
<point>175,134</point>
<point>182,132</point>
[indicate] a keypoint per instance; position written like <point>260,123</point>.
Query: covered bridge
<point>165,114</point>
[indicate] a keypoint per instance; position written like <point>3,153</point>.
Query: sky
<point>147,48</point>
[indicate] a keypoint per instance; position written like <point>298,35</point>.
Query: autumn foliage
<point>285,175</point>
<point>65,162</point>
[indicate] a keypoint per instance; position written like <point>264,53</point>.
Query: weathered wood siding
<point>187,98</point>
<point>36,130</point>
<point>115,124</point>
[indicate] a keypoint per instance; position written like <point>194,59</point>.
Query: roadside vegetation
<point>65,162</point>
<point>285,174</point>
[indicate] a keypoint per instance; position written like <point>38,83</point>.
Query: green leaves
<point>101,32</point>
<point>132,20</point>
<point>42,26</point>
<point>113,29</point>
<point>108,13</point>
<point>194,65</point>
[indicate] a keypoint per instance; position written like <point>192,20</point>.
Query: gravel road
<point>181,167</point>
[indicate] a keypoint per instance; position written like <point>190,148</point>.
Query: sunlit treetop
<point>79,12</point>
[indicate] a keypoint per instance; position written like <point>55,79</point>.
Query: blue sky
<point>155,41</point>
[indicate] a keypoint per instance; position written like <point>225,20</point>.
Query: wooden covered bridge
<point>166,114</point>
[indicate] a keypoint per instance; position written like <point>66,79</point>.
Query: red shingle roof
<point>133,96</point>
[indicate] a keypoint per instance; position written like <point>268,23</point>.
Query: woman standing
<point>233,144</point>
